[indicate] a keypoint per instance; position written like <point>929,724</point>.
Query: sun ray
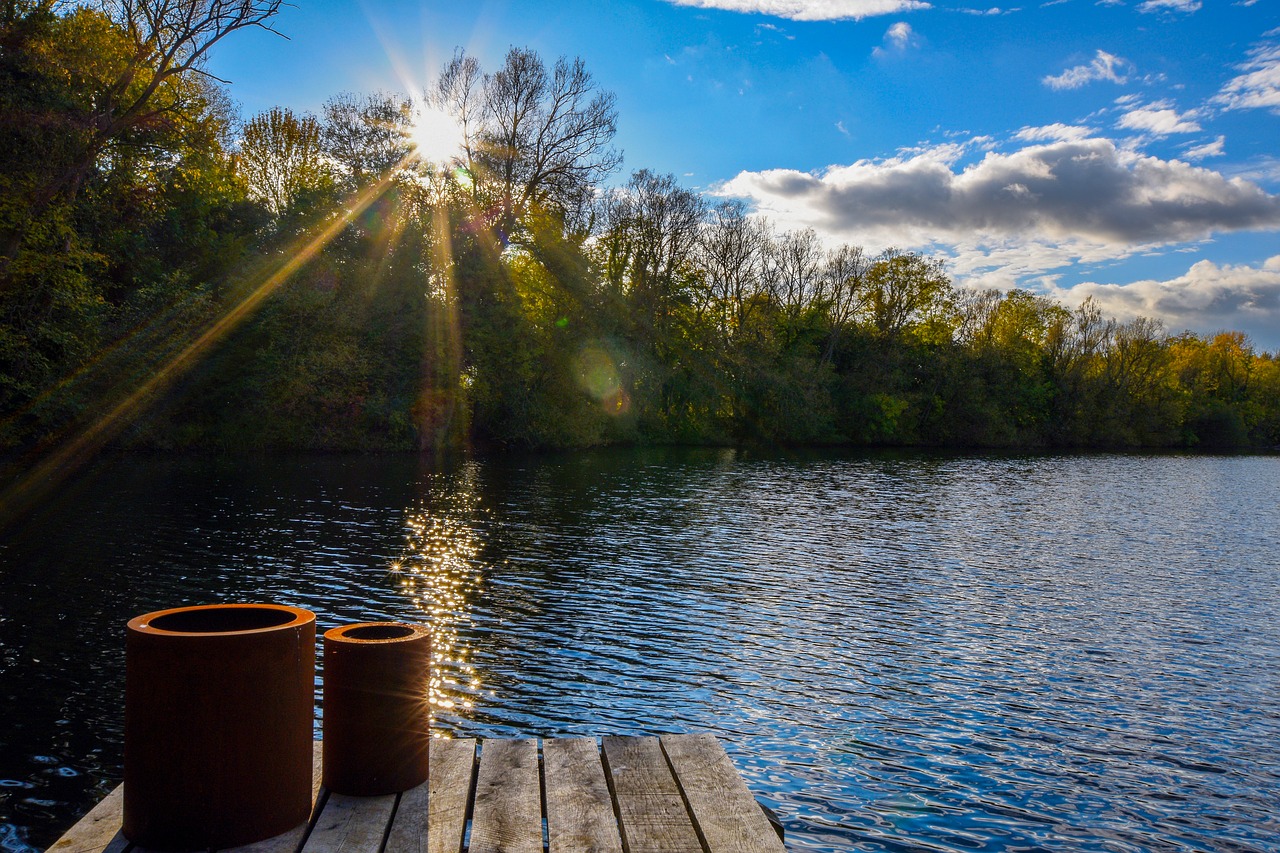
<point>64,457</point>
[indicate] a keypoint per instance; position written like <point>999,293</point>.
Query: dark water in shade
<point>1064,653</point>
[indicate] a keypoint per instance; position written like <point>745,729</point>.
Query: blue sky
<point>1124,149</point>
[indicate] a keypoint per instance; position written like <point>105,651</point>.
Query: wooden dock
<point>668,794</point>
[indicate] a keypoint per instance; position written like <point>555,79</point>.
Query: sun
<point>436,136</point>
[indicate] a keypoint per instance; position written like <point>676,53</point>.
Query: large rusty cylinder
<point>219,704</point>
<point>377,718</point>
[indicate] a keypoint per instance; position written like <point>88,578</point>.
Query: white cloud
<point>1159,119</point>
<point>1069,190</point>
<point>1105,66</point>
<point>1216,148</point>
<point>810,10</point>
<point>1005,262</point>
<point>1021,218</point>
<point>897,39</point>
<point>1208,298</point>
<point>1053,133</point>
<point>898,35</point>
<point>1259,86</point>
<point>1264,169</point>
<point>773,28</point>
<point>1170,6</point>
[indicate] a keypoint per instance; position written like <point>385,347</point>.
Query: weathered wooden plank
<point>351,824</point>
<point>508,803</point>
<point>99,830</point>
<point>651,810</point>
<point>727,816</point>
<point>290,841</point>
<point>677,794</point>
<point>580,815</point>
<point>441,803</point>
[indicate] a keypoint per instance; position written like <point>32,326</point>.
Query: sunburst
<point>437,137</point>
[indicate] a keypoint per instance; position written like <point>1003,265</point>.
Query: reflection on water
<point>900,652</point>
<point>439,572</point>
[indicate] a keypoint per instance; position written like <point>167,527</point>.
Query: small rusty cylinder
<point>376,713</point>
<point>219,704</point>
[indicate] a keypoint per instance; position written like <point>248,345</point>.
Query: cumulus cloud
<point>1209,297</point>
<point>1075,189</point>
<point>1259,86</point>
<point>1169,6</point>
<point>1159,119</point>
<point>1105,66</point>
<point>810,10</point>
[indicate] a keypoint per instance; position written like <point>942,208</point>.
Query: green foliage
<point>504,299</point>
<point>279,158</point>
<point>117,207</point>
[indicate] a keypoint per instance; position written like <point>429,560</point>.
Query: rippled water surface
<point>899,652</point>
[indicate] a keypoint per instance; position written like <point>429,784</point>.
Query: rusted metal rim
<point>376,632</point>
<point>220,619</point>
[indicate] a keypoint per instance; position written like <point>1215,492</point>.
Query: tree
<point>650,230</point>
<point>150,45</point>
<point>842,291</point>
<point>731,251</point>
<point>534,138</point>
<point>366,137</point>
<point>280,157</point>
<point>905,291</point>
<point>793,271</point>
<point>140,234</point>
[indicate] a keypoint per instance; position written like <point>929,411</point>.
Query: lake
<point>900,651</point>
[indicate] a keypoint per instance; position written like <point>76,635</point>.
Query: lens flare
<point>599,376</point>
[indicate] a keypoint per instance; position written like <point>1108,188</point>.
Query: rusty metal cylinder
<point>377,716</point>
<point>219,704</point>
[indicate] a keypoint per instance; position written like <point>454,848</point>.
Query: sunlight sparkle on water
<point>438,572</point>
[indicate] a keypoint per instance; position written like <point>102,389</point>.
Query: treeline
<point>333,282</point>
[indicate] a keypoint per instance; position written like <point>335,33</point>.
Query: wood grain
<point>651,811</point>
<point>580,815</point>
<point>432,818</point>
<point>508,802</point>
<point>728,818</point>
<point>99,830</point>
<point>674,794</point>
<point>351,824</point>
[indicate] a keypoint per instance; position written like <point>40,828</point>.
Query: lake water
<point>900,652</point>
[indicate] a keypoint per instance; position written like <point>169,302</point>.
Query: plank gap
<point>613,798</point>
